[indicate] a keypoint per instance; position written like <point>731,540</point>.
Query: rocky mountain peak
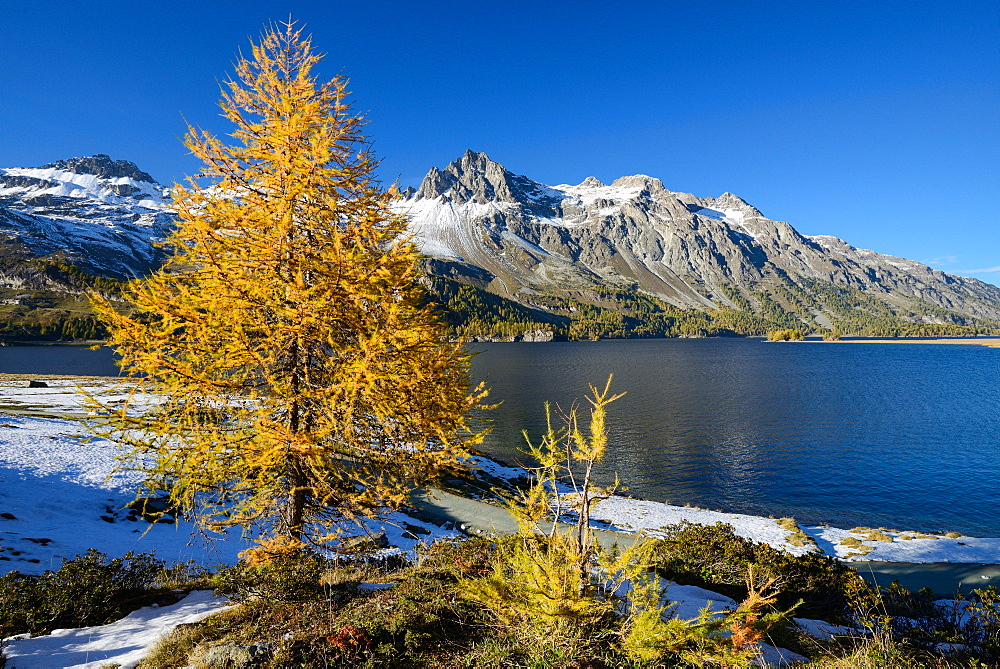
<point>102,166</point>
<point>474,177</point>
<point>639,181</point>
<point>591,182</point>
<point>727,199</point>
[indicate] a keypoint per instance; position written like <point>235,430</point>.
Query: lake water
<point>892,435</point>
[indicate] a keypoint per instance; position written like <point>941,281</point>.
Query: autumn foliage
<point>301,377</point>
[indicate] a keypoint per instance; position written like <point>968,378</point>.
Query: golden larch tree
<point>302,378</point>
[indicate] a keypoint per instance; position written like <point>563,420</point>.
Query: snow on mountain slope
<point>687,250</point>
<point>99,214</point>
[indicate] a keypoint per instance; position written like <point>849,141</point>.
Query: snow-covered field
<point>124,642</point>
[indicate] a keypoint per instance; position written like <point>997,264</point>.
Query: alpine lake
<point>886,434</point>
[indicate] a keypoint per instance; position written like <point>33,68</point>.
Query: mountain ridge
<point>507,255</point>
<point>101,215</point>
<point>691,252</point>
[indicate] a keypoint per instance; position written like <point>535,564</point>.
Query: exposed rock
<point>237,657</point>
<point>538,336</point>
<point>101,165</point>
<point>364,542</point>
<point>691,252</point>
<point>152,510</point>
<point>36,384</point>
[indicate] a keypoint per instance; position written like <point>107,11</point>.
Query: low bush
<point>88,590</point>
<point>717,558</point>
<point>289,578</point>
<point>311,611</point>
<point>966,629</point>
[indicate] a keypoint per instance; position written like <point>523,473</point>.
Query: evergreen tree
<point>303,379</point>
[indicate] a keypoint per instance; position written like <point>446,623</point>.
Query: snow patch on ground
<point>634,515</point>
<point>124,642</point>
<point>60,494</point>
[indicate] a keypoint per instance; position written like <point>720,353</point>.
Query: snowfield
<point>123,643</point>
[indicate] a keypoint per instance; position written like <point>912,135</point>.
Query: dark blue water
<point>75,360</point>
<point>893,435</point>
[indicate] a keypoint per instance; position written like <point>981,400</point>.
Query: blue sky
<point>876,122</point>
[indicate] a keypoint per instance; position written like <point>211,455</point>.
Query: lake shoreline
<point>628,514</point>
<point>990,342</point>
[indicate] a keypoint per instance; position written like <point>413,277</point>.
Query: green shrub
<point>716,558</point>
<point>422,613</point>
<point>313,613</point>
<point>87,590</point>
<point>911,629</point>
<point>293,577</point>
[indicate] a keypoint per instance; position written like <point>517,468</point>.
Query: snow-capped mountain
<point>515,237</point>
<point>518,238</point>
<point>99,214</point>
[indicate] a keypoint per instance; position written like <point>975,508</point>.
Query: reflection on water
<point>880,434</point>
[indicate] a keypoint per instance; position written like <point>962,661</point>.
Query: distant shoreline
<point>991,342</point>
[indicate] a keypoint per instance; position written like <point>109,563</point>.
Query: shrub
<point>422,614</point>
<point>290,577</point>
<point>717,558</point>
<point>87,590</point>
<point>910,629</point>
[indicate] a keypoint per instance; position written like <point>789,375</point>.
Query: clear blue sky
<point>877,122</point>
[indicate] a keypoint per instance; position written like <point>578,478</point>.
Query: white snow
<point>734,218</point>
<point>524,243</point>
<point>64,496</point>
<point>124,642</point>
<point>906,546</point>
<point>615,195</point>
<point>635,515</point>
<point>820,629</point>
<point>83,186</point>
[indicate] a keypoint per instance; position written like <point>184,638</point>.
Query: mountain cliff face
<point>520,239</point>
<point>95,213</point>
